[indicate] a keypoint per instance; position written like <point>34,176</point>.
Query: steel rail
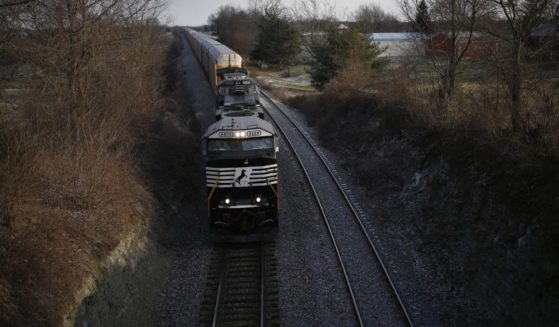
<point>222,265</point>
<point>348,201</point>
<point>327,223</point>
<point>218,315</point>
<point>262,289</point>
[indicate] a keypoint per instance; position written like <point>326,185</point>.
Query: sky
<point>196,12</point>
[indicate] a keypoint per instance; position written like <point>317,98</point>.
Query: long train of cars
<point>240,149</point>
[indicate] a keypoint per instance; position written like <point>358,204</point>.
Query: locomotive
<point>242,177</point>
<point>240,150</point>
<point>238,92</point>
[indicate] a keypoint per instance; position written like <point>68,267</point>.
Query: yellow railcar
<point>215,58</point>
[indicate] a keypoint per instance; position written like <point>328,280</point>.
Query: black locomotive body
<point>242,178</point>
<point>238,92</point>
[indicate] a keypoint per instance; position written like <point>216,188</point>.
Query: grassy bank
<point>477,204</point>
<point>75,195</point>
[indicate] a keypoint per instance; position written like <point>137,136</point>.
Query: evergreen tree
<point>342,50</point>
<point>422,18</point>
<point>277,42</point>
<point>324,66</point>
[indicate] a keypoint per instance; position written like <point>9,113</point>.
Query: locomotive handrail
<point>212,192</point>
<point>277,194</point>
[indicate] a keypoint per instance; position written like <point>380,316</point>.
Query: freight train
<point>224,69</point>
<point>240,150</point>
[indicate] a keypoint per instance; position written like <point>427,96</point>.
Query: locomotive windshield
<point>264,143</point>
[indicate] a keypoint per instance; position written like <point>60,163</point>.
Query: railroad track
<point>375,298</point>
<point>241,287</point>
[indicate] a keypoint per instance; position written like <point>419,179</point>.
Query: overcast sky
<point>196,12</point>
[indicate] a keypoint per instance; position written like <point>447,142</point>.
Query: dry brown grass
<point>70,189</point>
<point>347,84</point>
<point>480,110</point>
<point>280,94</point>
<point>65,223</point>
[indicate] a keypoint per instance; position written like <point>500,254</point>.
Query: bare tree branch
<point>16,3</point>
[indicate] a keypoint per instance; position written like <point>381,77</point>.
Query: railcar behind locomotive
<point>242,178</point>
<point>215,58</point>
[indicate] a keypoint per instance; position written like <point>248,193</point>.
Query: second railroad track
<point>374,295</point>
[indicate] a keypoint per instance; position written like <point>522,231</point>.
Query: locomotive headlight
<point>237,134</point>
<point>243,134</point>
<point>227,201</point>
<point>258,199</point>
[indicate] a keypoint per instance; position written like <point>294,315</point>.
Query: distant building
<point>439,45</point>
<point>398,45</point>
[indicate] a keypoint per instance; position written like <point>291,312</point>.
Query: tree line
<point>310,32</point>
<point>509,23</point>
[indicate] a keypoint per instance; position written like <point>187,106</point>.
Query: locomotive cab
<point>242,178</point>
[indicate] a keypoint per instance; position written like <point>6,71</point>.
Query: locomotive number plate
<point>226,134</point>
<point>254,133</point>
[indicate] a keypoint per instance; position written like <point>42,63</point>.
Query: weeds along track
<point>241,287</point>
<point>375,298</point>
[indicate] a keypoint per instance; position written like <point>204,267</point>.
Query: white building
<point>398,45</point>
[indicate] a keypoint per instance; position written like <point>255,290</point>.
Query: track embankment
<point>93,197</point>
<point>471,219</point>
<point>159,275</point>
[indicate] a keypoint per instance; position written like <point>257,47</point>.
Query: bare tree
<point>314,16</point>
<point>457,21</point>
<point>314,19</point>
<point>236,28</point>
<point>92,81</point>
<point>14,3</point>
<point>370,17</point>
<point>67,40</point>
<point>521,18</point>
<point>267,8</point>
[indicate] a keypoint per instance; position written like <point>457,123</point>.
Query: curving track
<point>375,298</point>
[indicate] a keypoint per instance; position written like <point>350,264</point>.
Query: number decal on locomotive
<point>254,133</point>
<point>226,134</point>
